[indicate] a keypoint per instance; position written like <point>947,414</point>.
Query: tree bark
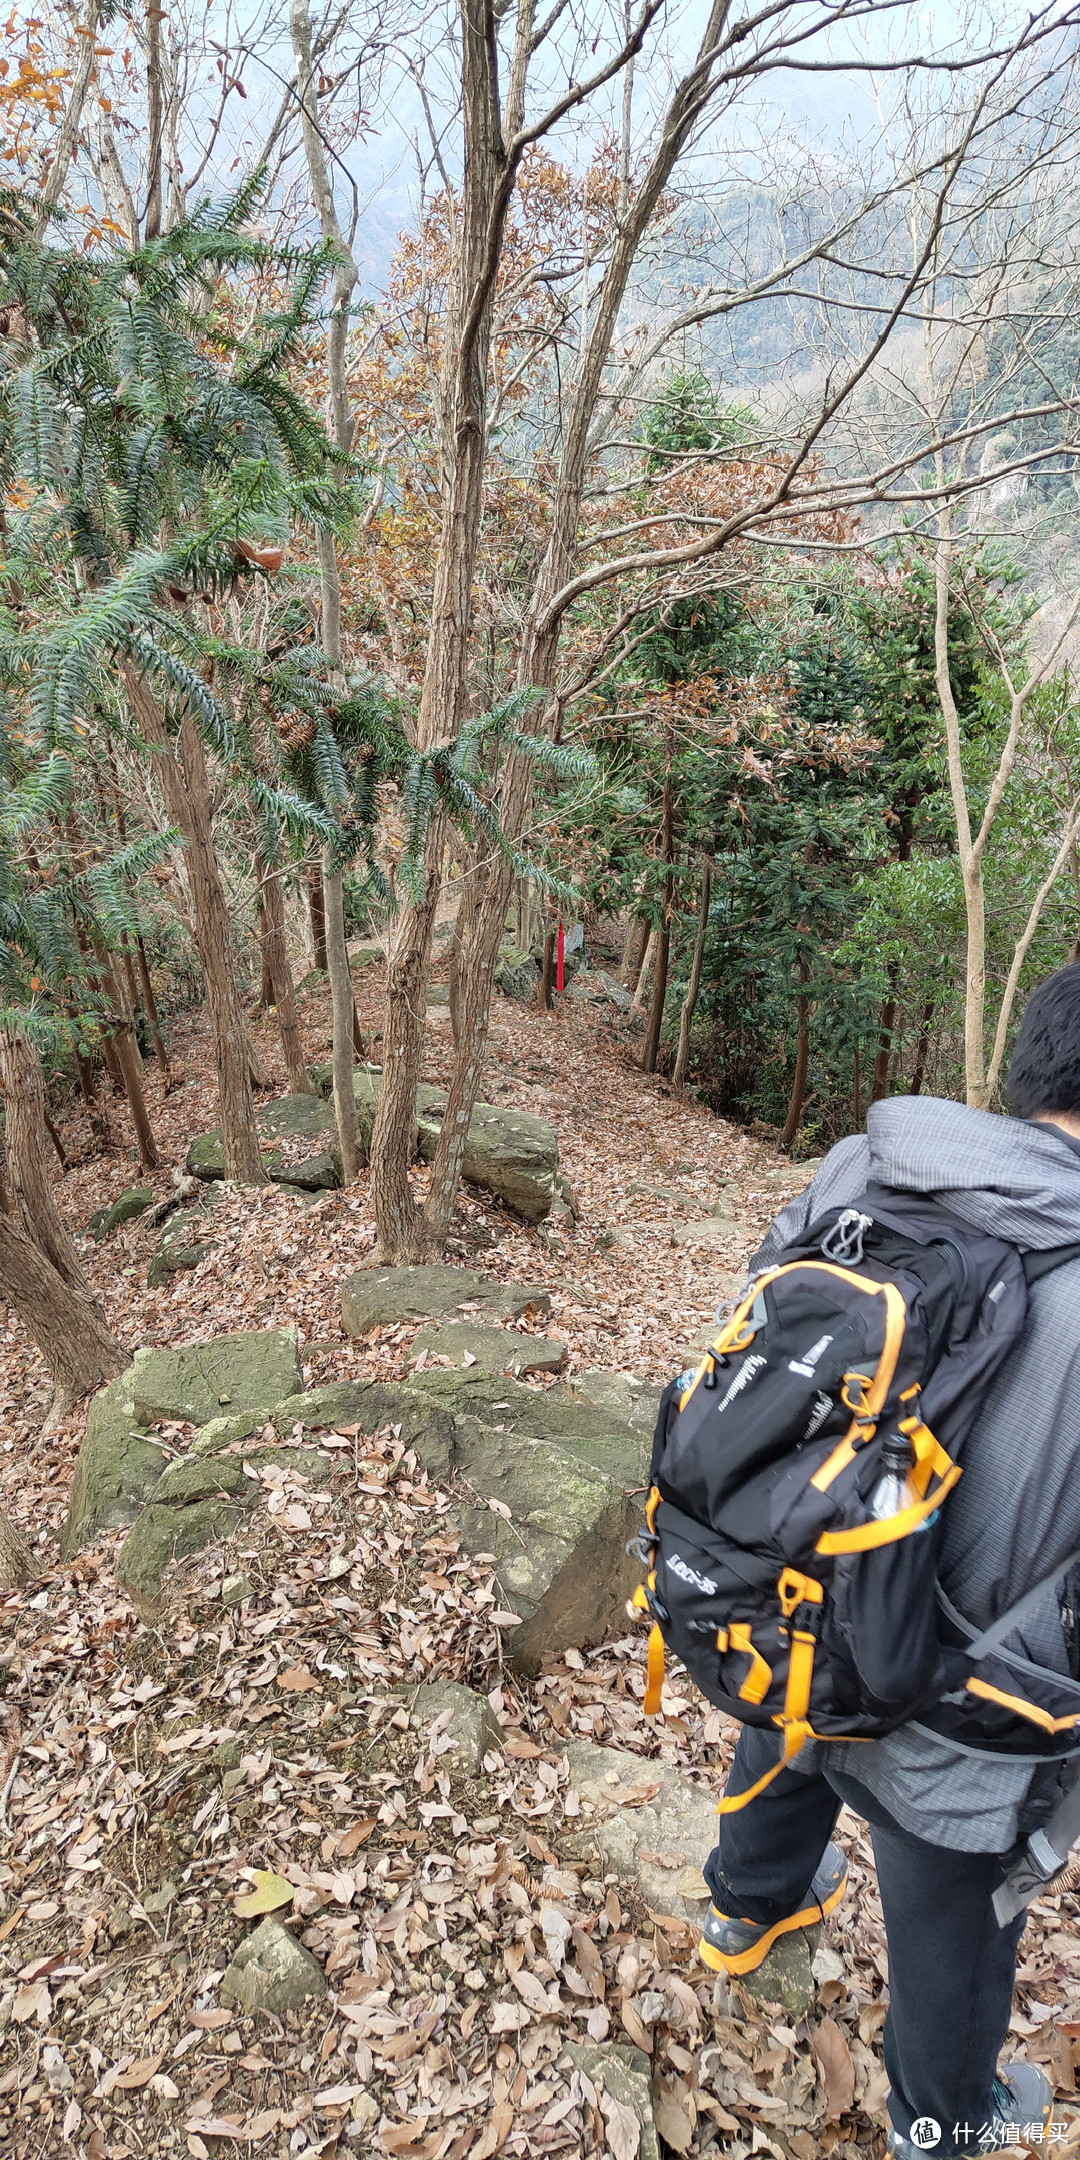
<point>275,961</point>
<point>886,1025</point>
<point>153,1020</point>
<point>24,1138</point>
<point>68,136</point>
<point>802,1064</point>
<point>16,1559</point>
<point>344,1012</point>
<point>663,941</point>
<point>185,785</point>
<point>682,1055</point>
<point>317,917</point>
<point>130,1064</point>
<point>66,1323</point>
<point>547,972</point>
<point>922,1048</point>
<point>637,945</point>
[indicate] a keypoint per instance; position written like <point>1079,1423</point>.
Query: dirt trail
<point>146,1772</point>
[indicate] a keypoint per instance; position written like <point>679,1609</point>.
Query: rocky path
<point>299,1862</point>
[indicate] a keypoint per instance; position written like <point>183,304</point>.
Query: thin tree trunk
<point>648,954</point>
<point>16,1559</point>
<point>885,1036</point>
<point>24,1138</point>
<point>317,917</point>
<point>344,1011</point>
<point>663,942</point>
<point>802,1064</point>
<point>66,1323</point>
<point>130,1064</point>
<point>153,1020</point>
<point>682,1055</point>
<point>547,972</point>
<point>185,785</point>
<point>68,136</point>
<point>155,119</point>
<point>922,1048</point>
<point>275,962</point>
<point>56,1140</point>
<point>637,945</point>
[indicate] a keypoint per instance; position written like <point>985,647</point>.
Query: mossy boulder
<point>271,1971</point>
<point>567,1474</point>
<point>381,1297</point>
<point>250,1372</point>
<point>130,1204</point>
<point>508,1152</point>
<point>198,1501</point>
<point>299,1143</point>
<point>517,973</point>
<point>479,1350</point>
<point>115,1471</point>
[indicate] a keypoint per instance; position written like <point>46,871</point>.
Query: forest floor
<point>124,1841</point>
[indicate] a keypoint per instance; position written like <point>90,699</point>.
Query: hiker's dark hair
<point>1044,1070</point>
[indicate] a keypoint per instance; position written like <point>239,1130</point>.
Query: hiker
<point>949,1817</point>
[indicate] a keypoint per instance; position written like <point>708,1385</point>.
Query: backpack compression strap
<point>801,1600</point>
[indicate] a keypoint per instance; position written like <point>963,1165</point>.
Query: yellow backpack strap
<point>654,1672</point>
<point>797,1593</point>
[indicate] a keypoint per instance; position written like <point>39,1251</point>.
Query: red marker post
<point>560,958</point>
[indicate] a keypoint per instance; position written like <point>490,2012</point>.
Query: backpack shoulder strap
<point>1038,1264</point>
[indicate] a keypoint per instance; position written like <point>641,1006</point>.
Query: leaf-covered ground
<point>464,1927</point>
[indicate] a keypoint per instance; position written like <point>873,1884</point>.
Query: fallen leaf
<point>507,2017</point>
<point>350,1839</point>
<point>633,1795</point>
<point>672,2117</point>
<point>297,1680</point>
<point>837,2068</point>
<point>211,2020</point>
<point>139,2074</point>
<point>72,2119</point>
<point>269,1892</point>
<point>622,2130</point>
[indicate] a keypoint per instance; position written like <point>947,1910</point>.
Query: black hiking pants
<point>951,1968</point>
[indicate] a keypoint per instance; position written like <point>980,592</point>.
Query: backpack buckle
<point>844,1242</point>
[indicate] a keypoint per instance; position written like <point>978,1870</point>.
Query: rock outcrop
<point>381,1297</point>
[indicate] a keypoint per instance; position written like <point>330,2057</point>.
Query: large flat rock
<point>381,1297</point>
<point>491,1350</point>
<point>300,1145</point>
<point>659,1842</point>
<point>567,1480</point>
<point>252,1372</point>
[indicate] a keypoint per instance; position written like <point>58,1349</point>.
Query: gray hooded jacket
<point>1015,1514</point>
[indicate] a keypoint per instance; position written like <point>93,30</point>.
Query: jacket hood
<point>1003,1175</point>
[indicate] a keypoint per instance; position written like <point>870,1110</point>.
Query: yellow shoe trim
<point>747,1960</point>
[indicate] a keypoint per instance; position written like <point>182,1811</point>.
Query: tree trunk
<point>130,1064</point>
<point>66,1323</point>
<point>185,785</point>
<point>317,917</point>
<point>547,972</point>
<point>682,1055</point>
<point>885,1036</point>
<point>663,942</point>
<point>648,957</point>
<point>401,1232</point>
<point>344,1013</point>
<point>153,1021</point>
<point>637,945</point>
<point>802,1065</point>
<point>358,1043</point>
<point>16,1559</point>
<point>24,1137</point>
<point>922,1048</point>
<point>275,961</point>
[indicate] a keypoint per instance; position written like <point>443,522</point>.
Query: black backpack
<point>766,1571</point>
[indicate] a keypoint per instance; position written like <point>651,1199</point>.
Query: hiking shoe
<point>736,1946</point>
<point>1021,2105</point>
